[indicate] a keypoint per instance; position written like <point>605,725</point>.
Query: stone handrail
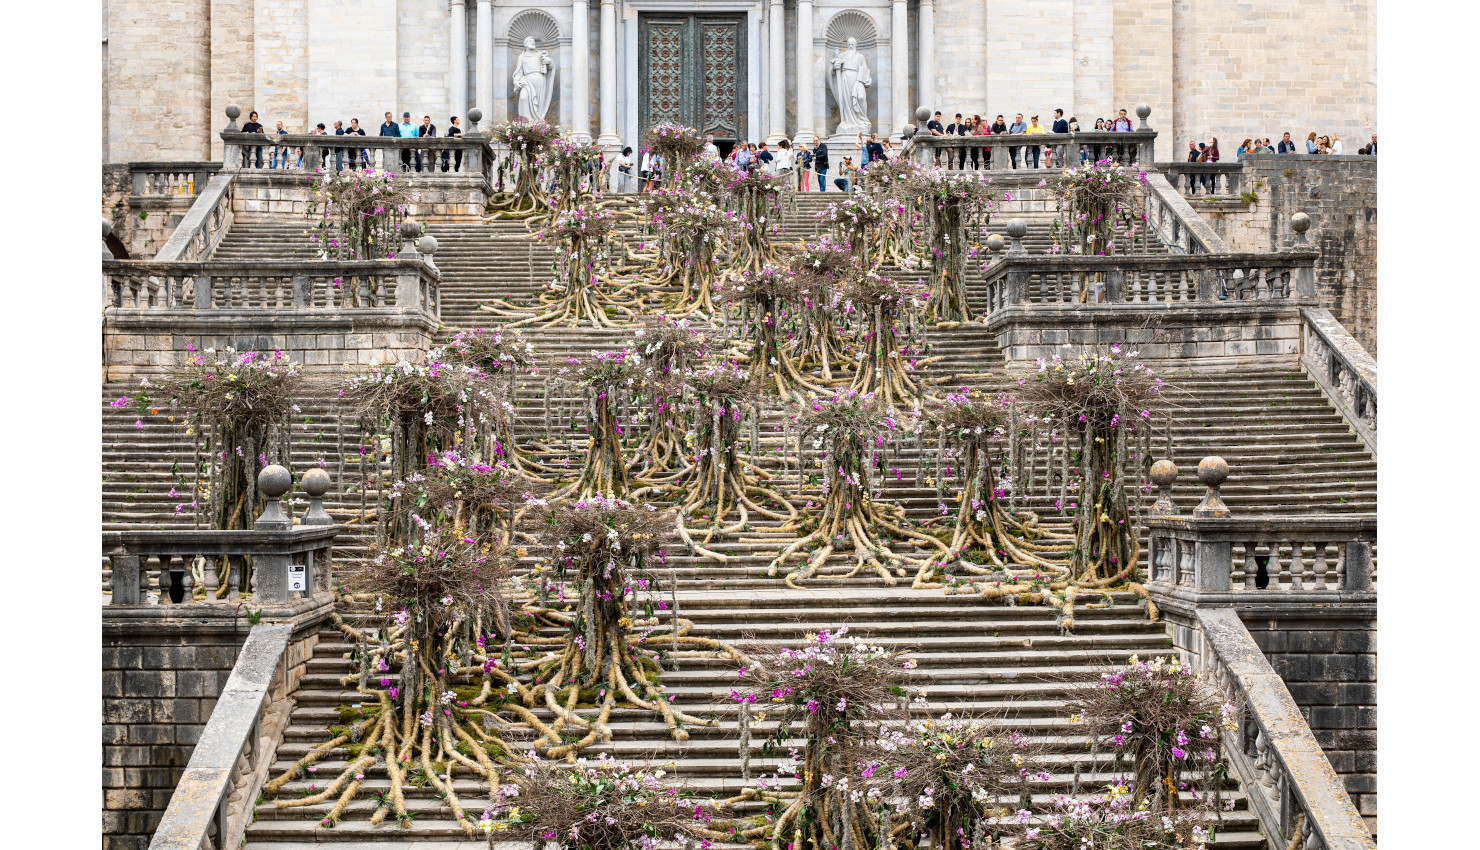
<point>274,286</point>
<point>1019,279</point>
<point>1290,783</point>
<point>1176,223</point>
<point>199,813</point>
<point>164,179</point>
<point>204,224</point>
<point>1262,556</point>
<point>1215,179</point>
<point>419,158</point>
<point>284,563</point>
<point>1346,373</point>
<point>945,151</point>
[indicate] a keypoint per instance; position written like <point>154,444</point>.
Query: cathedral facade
<point>746,70</point>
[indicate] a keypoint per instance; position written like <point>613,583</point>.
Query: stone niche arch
<point>547,36</point>
<point>846,24</point>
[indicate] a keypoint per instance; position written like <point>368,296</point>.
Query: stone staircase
<point>1289,451</point>
<point>972,658</point>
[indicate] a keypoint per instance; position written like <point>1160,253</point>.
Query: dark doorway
<point>692,72</point>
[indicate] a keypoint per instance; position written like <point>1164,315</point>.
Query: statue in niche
<point>850,80</point>
<point>533,81</point>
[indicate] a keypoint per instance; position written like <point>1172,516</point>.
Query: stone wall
<point>1329,663</point>
<point>143,225</point>
<point>161,678</point>
<point>1339,193</point>
<point>1205,66</point>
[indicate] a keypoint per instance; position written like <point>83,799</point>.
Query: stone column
<point>926,55</point>
<point>484,59</point>
<point>899,66</point>
<point>580,84</point>
<point>806,111</point>
<point>457,65</point>
<point>776,76</point>
<point>609,137</point>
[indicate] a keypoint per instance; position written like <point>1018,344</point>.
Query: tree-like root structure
<point>755,203</point>
<point>849,518</point>
<point>605,471</point>
<point>724,480</point>
<point>587,295</point>
<point>882,369</point>
<point>773,363</point>
<point>819,345</point>
<point>817,816</point>
<point>527,201</point>
<point>1006,543</point>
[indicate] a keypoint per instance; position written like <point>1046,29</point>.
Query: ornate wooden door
<point>691,70</point>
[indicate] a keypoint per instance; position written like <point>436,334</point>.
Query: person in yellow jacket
<point>1034,129</point>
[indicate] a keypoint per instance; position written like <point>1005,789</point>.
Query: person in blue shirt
<point>872,150</point>
<point>1018,126</point>
<point>408,131</point>
<point>280,151</point>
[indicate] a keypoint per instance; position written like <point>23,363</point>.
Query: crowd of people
<point>281,155</point>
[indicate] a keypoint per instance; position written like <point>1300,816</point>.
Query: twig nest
<point>274,481</point>
<point>315,482</point>
<point>1211,470</point>
<point>1164,472</point>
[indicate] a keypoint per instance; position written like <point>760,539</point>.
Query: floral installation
<point>1099,206</point>
<point>525,141</point>
<point>357,214</point>
<point>955,209</point>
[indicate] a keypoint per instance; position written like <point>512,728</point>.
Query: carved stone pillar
<point>806,110</point>
<point>899,66</point>
<point>457,61</point>
<point>580,84</point>
<point>926,55</point>
<point>776,76</point>
<point>483,59</point>
<point>609,74</point>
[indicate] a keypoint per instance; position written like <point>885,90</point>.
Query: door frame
<point>693,24</point>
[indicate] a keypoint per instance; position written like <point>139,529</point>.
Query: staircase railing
<point>429,158</point>
<point>169,179</point>
<point>285,564</point>
<point>272,287</point>
<point>203,226</point>
<point>1215,179</point>
<point>232,749</point>
<point>1176,223</point>
<point>1006,152</point>
<point>1346,373</point>
<point>1019,279</point>
<point>1262,555</point>
<point>1291,785</point>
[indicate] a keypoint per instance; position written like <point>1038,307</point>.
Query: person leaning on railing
<point>252,126</point>
<point>453,131</point>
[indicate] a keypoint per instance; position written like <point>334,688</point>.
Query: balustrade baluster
<point>212,582</point>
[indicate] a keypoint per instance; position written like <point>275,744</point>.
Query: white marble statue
<point>850,80</point>
<point>533,81</point>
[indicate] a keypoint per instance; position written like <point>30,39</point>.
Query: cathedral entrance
<point>691,71</point>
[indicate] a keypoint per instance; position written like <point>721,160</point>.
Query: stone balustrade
<point>1346,373</point>
<point>1019,279</point>
<point>287,563</point>
<point>997,152</point>
<point>234,749</point>
<point>1174,220</point>
<point>272,287</point>
<point>1263,555</point>
<point>418,159</point>
<point>165,179</point>
<point>1300,800</point>
<point>1205,179</point>
<point>204,225</point>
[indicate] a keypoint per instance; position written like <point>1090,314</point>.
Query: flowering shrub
<point>526,142</point>
<point>1103,400</point>
<point>1162,719</point>
<point>885,310</point>
<point>836,689</point>
<point>954,778</point>
<point>955,209</point>
<point>1114,821</point>
<point>680,147</point>
<point>1098,204</point>
<point>236,406</point>
<point>599,804</point>
<point>492,351</point>
<point>755,196</point>
<point>575,167</point>
<point>358,214</point>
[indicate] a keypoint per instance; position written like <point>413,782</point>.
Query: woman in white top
<point>785,158</point>
<point>624,172</point>
<point>1336,145</point>
<point>652,170</point>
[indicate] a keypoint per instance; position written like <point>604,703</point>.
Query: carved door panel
<point>691,70</point>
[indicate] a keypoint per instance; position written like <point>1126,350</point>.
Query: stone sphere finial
<point>1300,222</point>
<point>474,116</point>
<point>1164,475</point>
<point>910,130</point>
<point>1017,228</point>
<point>233,111</point>
<point>995,243</point>
<point>316,482</point>
<point>410,230</point>
<point>107,228</point>
<point>922,114</point>
<point>274,481</point>
<point>1212,471</point>
<point>427,244</point>
<point>1143,111</point>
